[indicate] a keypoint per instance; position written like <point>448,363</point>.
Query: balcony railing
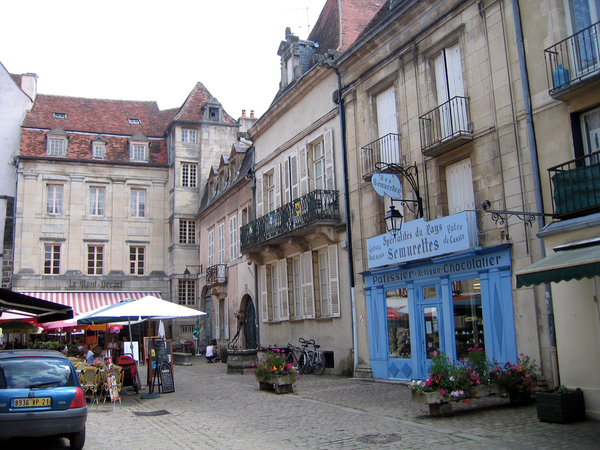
<point>385,149</point>
<point>216,274</point>
<point>446,124</point>
<point>573,58</point>
<point>576,186</point>
<point>313,207</point>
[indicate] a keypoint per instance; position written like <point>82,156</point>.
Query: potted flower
<point>562,405</point>
<point>273,373</point>
<point>223,354</point>
<point>519,380</point>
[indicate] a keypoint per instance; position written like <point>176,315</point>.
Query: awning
<point>45,310</point>
<point>567,263</point>
<point>83,301</point>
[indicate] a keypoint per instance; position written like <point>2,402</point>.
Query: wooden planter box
<point>560,408</point>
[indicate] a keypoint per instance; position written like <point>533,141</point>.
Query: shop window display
<point>468,316</point>
<point>398,324</point>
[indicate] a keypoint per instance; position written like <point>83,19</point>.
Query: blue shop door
<point>431,335</point>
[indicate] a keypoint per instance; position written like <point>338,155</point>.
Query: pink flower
<point>428,383</point>
<point>442,391</point>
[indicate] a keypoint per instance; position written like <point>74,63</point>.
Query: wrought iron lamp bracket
<point>411,175</point>
<point>500,217</point>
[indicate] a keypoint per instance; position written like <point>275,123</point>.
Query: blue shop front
<point>431,287</point>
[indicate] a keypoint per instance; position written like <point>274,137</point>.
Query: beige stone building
<point>563,69</point>
<point>434,118</point>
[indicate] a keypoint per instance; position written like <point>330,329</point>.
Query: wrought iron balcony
<point>385,149</point>
<point>576,187</point>
<point>312,208</point>
<point>573,60</point>
<point>216,274</point>
<point>446,127</point>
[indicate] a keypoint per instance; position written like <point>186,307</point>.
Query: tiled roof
<point>16,78</point>
<point>96,116</point>
<point>192,109</point>
<point>356,14</point>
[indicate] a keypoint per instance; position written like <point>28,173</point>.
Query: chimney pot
<point>251,113</point>
<point>243,113</point>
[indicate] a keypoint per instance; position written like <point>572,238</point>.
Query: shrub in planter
<point>560,406</point>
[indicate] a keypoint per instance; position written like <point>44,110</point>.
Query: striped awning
<point>83,302</point>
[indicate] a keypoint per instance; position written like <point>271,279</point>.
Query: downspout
<point>256,309</point>
<point>348,226</point>
<point>537,184</point>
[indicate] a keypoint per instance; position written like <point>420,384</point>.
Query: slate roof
<point>356,14</point>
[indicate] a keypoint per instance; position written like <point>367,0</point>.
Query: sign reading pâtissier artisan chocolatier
<point>420,240</point>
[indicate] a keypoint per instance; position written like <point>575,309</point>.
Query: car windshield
<point>32,373</point>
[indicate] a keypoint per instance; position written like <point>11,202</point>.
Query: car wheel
<point>77,440</point>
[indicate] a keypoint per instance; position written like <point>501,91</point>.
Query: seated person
<point>98,358</point>
<point>212,352</point>
<point>86,354</point>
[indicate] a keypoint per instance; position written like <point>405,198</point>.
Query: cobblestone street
<point>213,410</point>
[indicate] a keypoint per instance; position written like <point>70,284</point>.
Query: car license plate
<point>34,402</point>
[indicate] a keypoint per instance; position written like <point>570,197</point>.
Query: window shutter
<point>218,320</point>
<point>284,298</point>
<point>441,82</point>
<point>295,188</point>
<point>459,185</point>
<point>334,285</point>
<point>286,180</point>
<point>387,122</point>
<point>277,187</point>
<point>263,292</point>
<point>303,169</point>
<point>456,85</point>
<point>239,234</point>
<point>329,163</point>
<point>259,197</point>
<point>226,319</point>
<point>308,294</point>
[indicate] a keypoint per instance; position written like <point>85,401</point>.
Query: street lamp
<point>393,220</point>
<point>187,274</point>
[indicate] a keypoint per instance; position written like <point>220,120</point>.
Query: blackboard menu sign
<point>161,352</point>
<point>166,378</point>
<point>158,351</point>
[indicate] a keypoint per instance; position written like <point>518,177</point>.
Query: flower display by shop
<point>273,363</point>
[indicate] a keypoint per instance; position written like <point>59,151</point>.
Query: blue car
<point>40,395</point>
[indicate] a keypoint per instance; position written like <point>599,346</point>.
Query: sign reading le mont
<point>420,240</point>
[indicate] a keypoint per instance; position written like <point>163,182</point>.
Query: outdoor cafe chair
<point>89,379</point>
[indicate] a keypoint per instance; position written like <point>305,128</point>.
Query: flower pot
<point>480,391</point>
<point>496,389</point>
<point>560,408</point>
<point>281,384</point>
<point>427,397</point>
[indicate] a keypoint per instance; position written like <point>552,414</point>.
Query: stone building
<point>298,237</point>
<point>435,126</point>
<point>108,194</point>
<point>17,93</point>
<point>563,69</point>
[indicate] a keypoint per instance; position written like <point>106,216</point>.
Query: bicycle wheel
<point>308,364</point>
<point>301,363</point>
<point>319,366</point>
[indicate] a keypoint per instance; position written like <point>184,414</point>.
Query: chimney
<point>29,84</point>
<point>252,114</point>
<point>243,113</point>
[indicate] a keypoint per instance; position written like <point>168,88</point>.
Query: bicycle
<point>311,360</point>
<point>292,358</point>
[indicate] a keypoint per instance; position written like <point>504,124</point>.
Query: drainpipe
<point>537,185</point>
<point>348,226</point>
<point>256,309</point>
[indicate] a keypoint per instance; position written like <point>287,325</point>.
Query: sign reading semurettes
<point>420,240</point>
<point>387,184</point>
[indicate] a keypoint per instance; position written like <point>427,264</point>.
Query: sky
<point>154,50</point>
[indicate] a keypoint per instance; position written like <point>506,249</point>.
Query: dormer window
<point>56,142</point>
<point>98,147</point>
<point>59,115</point>
<point>213,114</point>
<point>134,121</point>
<point>138,147</point>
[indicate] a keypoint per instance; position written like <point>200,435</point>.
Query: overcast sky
<point>154,50</point>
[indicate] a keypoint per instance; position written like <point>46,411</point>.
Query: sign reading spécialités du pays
<point>419,240</point>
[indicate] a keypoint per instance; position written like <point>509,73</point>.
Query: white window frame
<point>459,185</point>
<point>95,260</point>
<point>97,200</point>
<point>138,151</point>
<point>211,247</point>
<point>137,260</point>
<point>98,150</point>
<point>318,162</point>
<point>138,203</point>
<point>189,174</point>
<point>188,135</point>
<point>323,268</point>
<point>274,291</point>
<point>270,185</point>
<point>296,287</point>
<point>52,259</point>
<point>56,146</point>
<point>233,238</point>
<point>54,198</point>
<point>221,243</point>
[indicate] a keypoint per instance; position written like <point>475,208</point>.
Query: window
<point>450,85</point>
<point>57,115</point>
<point>221,243</point>
<point>274,290</point>
<point>138,203</point>
<point>57,147</point>
<point>54,199</point>
<point>296,288</point>
<point>187,231</point>
<point>188,175</point>
<point>323,283</point>
<point>51,259</point>
<point>134,121</point>
<point>270,180</point>
<point>136,260</point>
<point>289,69</point>
<point>233,240</point>
<point>95,263</point>
<point>468,316</point>
<point>459,184</point>
<point>398,323</point>
<point>97,201</point>
<point>213,114</point>
<point>98,150</point>
<point>211,248</point>
<point>188,135</point>
<point>292,188</point>
<point>590,130</point>
<point>138,152</point>
<point>319,165</point>
<point>187,329</point>
<point>187,294</point>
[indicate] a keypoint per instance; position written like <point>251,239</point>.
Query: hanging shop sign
<point>387,184</point>
<point>419,239</point>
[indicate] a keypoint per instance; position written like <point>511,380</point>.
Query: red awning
<point>83,302</point>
